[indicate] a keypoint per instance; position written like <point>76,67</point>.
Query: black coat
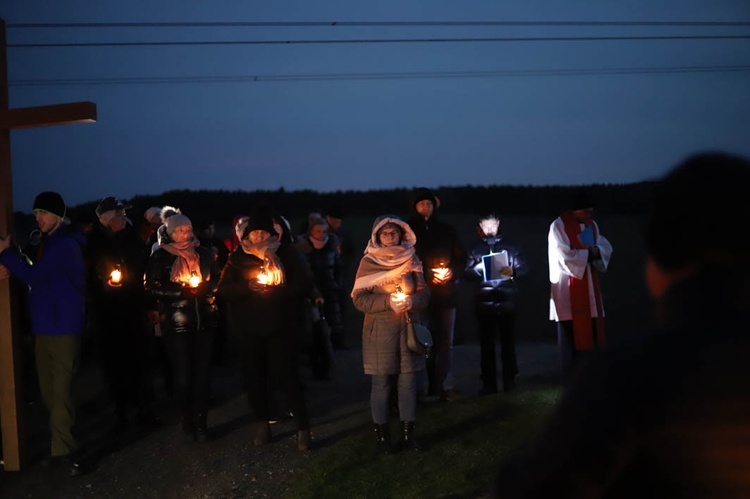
<point>104,251</point>
<point>495,296</point>
<point>268,310</point>
<point>438,243</point>
<point>181,308</point>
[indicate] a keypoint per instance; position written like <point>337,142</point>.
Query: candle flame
<point>194,281</point>
<point>262,277</point>
<point>115,276</point>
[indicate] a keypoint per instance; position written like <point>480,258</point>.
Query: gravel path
<point>160,464</point>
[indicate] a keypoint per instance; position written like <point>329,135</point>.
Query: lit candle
<point>262,276</point>
<point>115,276</point>
<point>399,295</point>
<point>441,271</point>
<point>194,280</point>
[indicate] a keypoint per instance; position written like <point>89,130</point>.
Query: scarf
<point>583,333</point>
<point>266,251</point>
<point>318,243</point>
<point>382,264</point>
<point>187,262</point>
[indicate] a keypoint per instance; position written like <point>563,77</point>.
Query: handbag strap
<point>408,317</point>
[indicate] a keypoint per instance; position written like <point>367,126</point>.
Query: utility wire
<point>289,24</point>
<point>376,76</point>
<point>385,40</point>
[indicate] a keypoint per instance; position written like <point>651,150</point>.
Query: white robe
<point>564,262</point>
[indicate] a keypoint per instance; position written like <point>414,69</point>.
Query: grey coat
<point>384,348</point>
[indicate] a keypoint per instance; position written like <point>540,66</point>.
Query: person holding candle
<point>115,261</point>
<point>389,283</point>
<point>265,282</point>
<point>444,259</point>
<point>180,280</point>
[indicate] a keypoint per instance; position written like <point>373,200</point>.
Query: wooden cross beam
<point>10,368</point>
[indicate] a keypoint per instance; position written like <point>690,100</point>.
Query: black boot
<point>410,442</point>
<point>188,425</point>
<point>201,428</point>
<point>383,438</point>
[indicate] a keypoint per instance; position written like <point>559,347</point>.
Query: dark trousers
<point>269,361</point>
<point>57,361</point>
<point>124,357</point>
<point>491,327</point>
<point>569,356</point>
<point>190,357</point>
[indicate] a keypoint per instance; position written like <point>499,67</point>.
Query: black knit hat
<point>260,219</point>
<point>51,202</point>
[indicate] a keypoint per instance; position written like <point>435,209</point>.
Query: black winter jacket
<point>438,244</point>
<point>181,308</point>
<point>106,250</point>
<point>494,296</point>
<point>268,310</point>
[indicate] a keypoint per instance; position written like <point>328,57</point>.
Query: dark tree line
<point>223,205</point>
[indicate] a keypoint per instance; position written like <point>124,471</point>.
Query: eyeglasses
<point>390,233</point>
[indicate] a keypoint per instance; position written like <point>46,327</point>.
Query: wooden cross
<point>10,368</point>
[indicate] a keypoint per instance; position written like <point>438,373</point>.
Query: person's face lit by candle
<point>258,236</point>
<point>389,235</point>
<point>182,233</point>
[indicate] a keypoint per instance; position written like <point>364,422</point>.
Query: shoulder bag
<point>418,337</point>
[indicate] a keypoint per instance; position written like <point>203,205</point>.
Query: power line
<point>289,24</point>
<point>376,76</point>
<point>384,40</point>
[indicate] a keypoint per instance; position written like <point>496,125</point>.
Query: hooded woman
<point>265,282</point>
<point>181,279</point>
<point>390,282</point>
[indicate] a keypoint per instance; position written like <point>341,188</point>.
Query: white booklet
<point>493,263</point>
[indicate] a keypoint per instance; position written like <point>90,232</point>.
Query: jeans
<point>380,395</point>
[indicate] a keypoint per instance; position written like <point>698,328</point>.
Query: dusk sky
<point>618,95</point>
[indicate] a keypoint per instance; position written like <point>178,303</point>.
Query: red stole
<point>583,332</point>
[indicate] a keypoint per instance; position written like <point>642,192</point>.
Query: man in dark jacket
<point>665,415</point>
<point>116,260</point>
<point>494,265</point>
<point>56,304</point>
<point>443,258</point>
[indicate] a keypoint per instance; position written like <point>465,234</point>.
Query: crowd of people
<point>167,282</point>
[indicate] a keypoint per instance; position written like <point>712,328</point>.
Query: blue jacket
<point>56,282</point>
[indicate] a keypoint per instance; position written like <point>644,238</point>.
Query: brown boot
<point>303,440</point>
<point>262,433</point>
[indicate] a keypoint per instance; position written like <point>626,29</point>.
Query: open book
<point>493,263</point>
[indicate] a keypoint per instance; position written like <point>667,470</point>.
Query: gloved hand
<point>256,287</point>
